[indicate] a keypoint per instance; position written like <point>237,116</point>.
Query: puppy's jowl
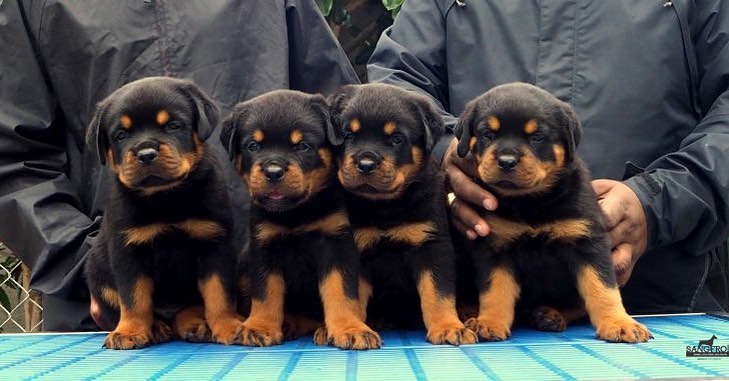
<point>302,259</point>
<point>165,237</point>
<point>548,248</point>
<point>396,199</point>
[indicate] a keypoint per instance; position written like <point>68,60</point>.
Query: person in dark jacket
<point>650,82</point>
<point>58,59</point>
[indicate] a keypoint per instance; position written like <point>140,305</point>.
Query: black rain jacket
<point>649,80</point>
<point>59,58</point>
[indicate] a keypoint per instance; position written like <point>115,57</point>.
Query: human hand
<point>626,224</point>
<point>468,195</point>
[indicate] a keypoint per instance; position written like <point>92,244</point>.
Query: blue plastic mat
<point>574,354</point>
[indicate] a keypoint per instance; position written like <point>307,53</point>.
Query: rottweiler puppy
<point>395,196</point>
<point>548,247</point>
<point>302,257</point>
<point>165,240</point>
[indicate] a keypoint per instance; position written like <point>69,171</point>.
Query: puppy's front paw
<point>357,336</point>
<point>489,329</point>
<point>260,335</point>
<point>622,329</point>
<point>227,331</point>
<point>129,339</point>
<point>453,333</point>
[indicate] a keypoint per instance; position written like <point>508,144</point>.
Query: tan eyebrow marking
<point>390,128</point>
<point>493,123</point>
<point>163,117</point>
<point>296,136</point>
<point>125,121</point>
<point>355,125</point>
<point>258,135</point>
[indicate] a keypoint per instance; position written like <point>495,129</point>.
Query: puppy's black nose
<point>367,162</point>
<point>274,172</point>
<point>507,162</point>
<point>147,155</point>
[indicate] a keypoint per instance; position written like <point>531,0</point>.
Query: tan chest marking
<point>332,224</point>
<point>505,231</point>
<point>414,234</point>
<point>195,228</point>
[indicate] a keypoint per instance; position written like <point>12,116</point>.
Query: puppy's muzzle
<point>274,171</point>
<point>507,162</point>
<point>507,158</point>
<point>367,162</point>
<point>147,155</point>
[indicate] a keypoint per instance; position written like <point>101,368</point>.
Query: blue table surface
<point>574,354</point>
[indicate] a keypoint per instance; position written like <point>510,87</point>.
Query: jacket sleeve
<point>317,63</point>
<point>411,54</point>
<point>685,194</point>
<point>41,217</point>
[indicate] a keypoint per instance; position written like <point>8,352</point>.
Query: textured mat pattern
<point>574,354</point>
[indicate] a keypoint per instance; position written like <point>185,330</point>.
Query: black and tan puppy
<point>396,200</point>
<point>165,240</point>
<point>548,247</point>
<point>302,257</point>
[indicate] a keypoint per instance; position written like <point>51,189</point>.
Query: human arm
<point>685,194</point>
<point>43,222</point>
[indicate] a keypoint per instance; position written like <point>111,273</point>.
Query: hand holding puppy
<point>459,175</point>
<point>623,212</point>
<point>626,224</point>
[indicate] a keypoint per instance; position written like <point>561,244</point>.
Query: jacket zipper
<point>688,52</point>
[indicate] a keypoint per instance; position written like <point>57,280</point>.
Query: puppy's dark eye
<point>173,126</point>
<point>302,147</point>
<point>253,147</point>
<point>121,135</point>
<point>397,139</point>
<point>536,138</point>
<point>487,135</point>
<point>348,135</point>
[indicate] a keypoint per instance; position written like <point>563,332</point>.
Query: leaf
<point>391,5</point>
<point>325,6</point>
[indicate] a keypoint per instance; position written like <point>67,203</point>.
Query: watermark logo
<point>707,348</point>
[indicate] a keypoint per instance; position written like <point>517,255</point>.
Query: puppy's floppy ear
<point>229,133</point>
<point>431,120</point>
<point>337,103</point>
<point>96,139</point>
<point>464,128</point>
<point>207,111</point>
<point>320,105</point>
<point>573,128</point>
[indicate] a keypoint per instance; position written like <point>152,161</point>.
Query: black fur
<point>174,260</point>
<point>393,266</point>
<point>259,135</point>
<point>544,268</point>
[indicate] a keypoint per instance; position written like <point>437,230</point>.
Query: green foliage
<point>325,6</point>
<point>393,6</point>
